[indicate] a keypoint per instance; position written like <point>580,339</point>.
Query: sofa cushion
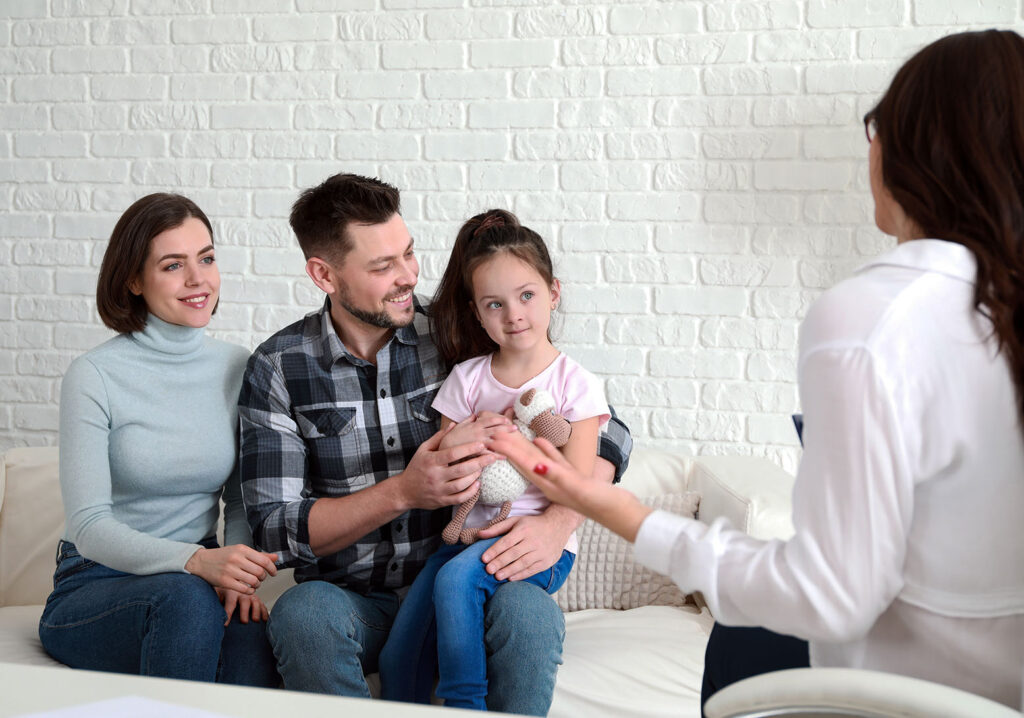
<point>605,574</point>
<point>645,662</point>
<point>19,636</point>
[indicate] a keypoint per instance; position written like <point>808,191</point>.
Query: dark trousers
<point>737,653</point>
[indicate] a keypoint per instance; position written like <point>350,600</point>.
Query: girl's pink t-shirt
<point>471,388</point>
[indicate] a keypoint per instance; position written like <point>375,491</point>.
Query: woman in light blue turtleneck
<point>148,448</point>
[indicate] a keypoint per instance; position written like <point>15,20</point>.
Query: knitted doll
<point>500,483</point>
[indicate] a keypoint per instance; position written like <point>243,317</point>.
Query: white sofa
<point>645,661</point>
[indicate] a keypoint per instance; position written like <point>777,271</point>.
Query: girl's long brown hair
<point>455,329</point>
<point>951,127</point>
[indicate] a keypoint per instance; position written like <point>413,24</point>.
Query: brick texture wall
<point>697,167</point>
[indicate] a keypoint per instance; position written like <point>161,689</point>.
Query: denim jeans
<point>326,638</point>
<point>441,624</point>
<point>165,624</point>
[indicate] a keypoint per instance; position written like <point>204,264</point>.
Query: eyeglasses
<point>870,127</point>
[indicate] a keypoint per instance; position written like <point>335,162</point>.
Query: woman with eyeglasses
<point>908,552</point>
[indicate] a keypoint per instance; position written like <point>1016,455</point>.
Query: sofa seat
<point>646,661</point>
<point>657,651</point>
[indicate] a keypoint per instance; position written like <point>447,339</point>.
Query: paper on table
<point>126,707</point>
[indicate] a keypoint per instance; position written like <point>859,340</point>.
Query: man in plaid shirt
<point>343,477</point>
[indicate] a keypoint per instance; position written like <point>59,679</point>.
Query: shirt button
<point>391,441</point>
<point>383,393</point>
<point>394,567</point>
<point>398,527</point>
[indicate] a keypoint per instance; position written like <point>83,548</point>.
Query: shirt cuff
<point>656,539</point>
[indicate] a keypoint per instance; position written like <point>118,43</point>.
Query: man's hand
<point>248,606</point>
<point>530,544</point>
<point>437,477</point>
<point>476,429</point>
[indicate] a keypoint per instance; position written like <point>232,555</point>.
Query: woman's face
<point>883,199</point>
<point>180,282</point>
<point>889,215</point>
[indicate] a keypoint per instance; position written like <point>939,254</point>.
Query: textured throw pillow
<point>605,574</point>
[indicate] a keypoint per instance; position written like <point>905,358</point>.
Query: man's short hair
<point>321,215</point>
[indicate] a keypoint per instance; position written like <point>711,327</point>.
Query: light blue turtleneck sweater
<point>148,439</point>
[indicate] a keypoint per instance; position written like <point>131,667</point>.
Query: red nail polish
<point>541,469</point>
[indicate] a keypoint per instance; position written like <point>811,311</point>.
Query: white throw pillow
<point>606,575</point>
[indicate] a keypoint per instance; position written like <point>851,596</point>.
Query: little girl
<point>491,315</point>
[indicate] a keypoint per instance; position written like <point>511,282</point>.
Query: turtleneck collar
<point>169,338</point>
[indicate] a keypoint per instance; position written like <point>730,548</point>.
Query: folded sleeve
<point>272,465</point>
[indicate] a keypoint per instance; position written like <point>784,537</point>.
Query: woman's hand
<point>561,482</point>
<point>544,465</point>
<point>248,606</point>
<point>235,568</point>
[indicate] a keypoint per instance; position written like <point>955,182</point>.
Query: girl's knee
<point>463,573</point>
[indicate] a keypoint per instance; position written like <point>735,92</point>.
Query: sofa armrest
<point>31,523</point>
<point>753,493</point>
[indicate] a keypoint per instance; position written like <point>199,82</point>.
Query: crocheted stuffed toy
<point>500,483</point>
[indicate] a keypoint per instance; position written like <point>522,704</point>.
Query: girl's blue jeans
<point>440,625</point>
<point>165,624</point>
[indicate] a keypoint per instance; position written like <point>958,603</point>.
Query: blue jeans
<point>164,624</point>
<point>441,625</point>
<point>326,638</point>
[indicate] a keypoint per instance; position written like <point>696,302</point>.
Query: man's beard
<point>377,319</point>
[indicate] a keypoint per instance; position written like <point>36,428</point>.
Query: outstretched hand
<point>560,481</point>
<point>544,465</point>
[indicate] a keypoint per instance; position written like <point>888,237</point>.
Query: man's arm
<point>428,482</point>
<point>273,465</point>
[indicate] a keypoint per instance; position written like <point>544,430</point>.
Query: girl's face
<point>180,281</point>
<point>513,303</point>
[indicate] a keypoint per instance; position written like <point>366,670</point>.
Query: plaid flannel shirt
<point>317,421</point>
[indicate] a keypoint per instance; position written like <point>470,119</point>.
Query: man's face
<point>376,280</point>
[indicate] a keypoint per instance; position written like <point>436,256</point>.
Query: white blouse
<point>908,552</point>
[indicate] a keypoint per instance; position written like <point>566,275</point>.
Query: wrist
<point>398,499</point>
<point>563,518</point>
<point>192,565</point>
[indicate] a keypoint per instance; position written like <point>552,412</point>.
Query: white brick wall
<point>698,168</point>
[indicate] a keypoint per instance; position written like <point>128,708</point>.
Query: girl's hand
<point>476,428</point>
<point>560,482</point>
<point>236,568</point>
<point>248,606</point>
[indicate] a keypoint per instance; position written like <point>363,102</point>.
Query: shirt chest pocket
<point>337,449</point>
<point>426,420</point>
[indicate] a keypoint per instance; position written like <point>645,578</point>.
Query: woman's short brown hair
<point>126,255</point>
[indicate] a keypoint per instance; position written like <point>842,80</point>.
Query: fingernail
<point>540,469</point>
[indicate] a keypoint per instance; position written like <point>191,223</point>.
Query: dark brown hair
<point>126,254</point>
<point>455,329</point>
<point>952,132</point>
<point>321,215</point>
